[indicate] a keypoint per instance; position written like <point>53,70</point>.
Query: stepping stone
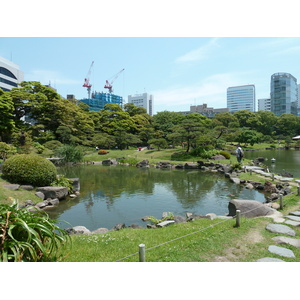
<point>294,218</point>
<point>293,223</point>
<point>286,179</point>
<point>281,251</point>
<point>279,220</point>
<point>282,229</point>
<point>295,213</point>
<point>270,259</point>
<point>287,240</point>
<point>165,223</point>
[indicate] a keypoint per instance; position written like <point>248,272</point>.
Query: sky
<point>177,71</point>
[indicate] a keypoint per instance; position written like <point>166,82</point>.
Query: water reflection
<point>111,195</point>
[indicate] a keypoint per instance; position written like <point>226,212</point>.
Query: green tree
<point>249,137</point>
<point>159,143</point>
<point>7,118</point>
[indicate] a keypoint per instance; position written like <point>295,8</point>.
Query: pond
<point>112,195</point>
<point>285,160</point>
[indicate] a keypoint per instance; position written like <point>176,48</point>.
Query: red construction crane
<point>108,84</point>
<point>87,81</point>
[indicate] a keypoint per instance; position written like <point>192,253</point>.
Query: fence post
<point>281,201</point>
<point>273,175</point>
<point>142,253</point>
<point>298,189</point>
<point>238,219</point>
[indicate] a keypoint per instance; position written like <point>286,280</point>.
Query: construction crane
<point>108,84</point>
<point>87,81</point>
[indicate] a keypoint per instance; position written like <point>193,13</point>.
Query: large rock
<point>249,208</point>
<point>143,164</point>
<point>53,192</point>
<point>78,230</point>
<point>110,161</point>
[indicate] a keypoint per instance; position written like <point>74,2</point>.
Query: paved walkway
<point>286,227</point>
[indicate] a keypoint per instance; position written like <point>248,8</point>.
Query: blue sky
<point>178,71</point>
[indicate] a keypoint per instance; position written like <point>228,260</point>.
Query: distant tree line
<point>64,121</point>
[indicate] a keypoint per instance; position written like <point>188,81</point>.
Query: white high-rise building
<point>241,98</point>
<point>142,100</point>
<point>10,74</point>
<point>264,104</point>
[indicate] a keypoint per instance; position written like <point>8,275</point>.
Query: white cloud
<point>200,53</point>
<point>46,76</point>
<point>211,90</point>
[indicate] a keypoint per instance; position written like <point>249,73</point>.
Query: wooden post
<point>142,253</point>
<point>299,190</point>
<point>273,176</point>
<point>250,171</point>
<point>238,219</point>
<point>281,201</point>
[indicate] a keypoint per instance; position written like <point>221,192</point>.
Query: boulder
<point>191,166</point>
<point>77,230</point>
<point>142,164</point>
<point>249,208</point>
<point>26,187</point>
<point>53,192</point>
<point>40,195</point>
<point>218,157</point>
<point>12,187</point>
<point>75,184</point>
<point>110,161</point>
<point>100,231</point>
<point>119,226</point>
<point>269,187</point>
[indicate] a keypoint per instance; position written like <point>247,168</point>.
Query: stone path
<point>286,237</point>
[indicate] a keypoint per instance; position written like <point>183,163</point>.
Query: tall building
<point>284,94</point>
<point>10,74</point>
<point>99,100</point>
<point>209,112</point>
<point>241,98</point>
<point>142,100</point>
<point>264,104</point>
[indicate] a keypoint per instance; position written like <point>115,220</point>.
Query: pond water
<point>285,160</point>
<point>112,195</point>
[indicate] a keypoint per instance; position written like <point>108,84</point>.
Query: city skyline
<point>178,72</point>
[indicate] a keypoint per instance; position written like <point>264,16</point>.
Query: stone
<point>73,196</point>
<point>212,216</point>
<point>26,187</point>
<point>292,223</point>
<point>119,226</point>
<point>191,166</point>
<point>135,226</point>
<point>54,192</point>
<point>12,187</point>
<point>78,230</point>
<point>270,259</point>
<point>75,184</point>
<point>249,208</point>
<point>279,220</point>
<point>280,228</point>
<point>287,240</point>
<point>110,161</point>
<point>100,231</point>
<point>53,201</point>
<point>143,163</point>
<point>40,195</point>
<point>269,187</point>
<point>179,219</point>
<point>295,213</point>
<point>165,223</point>
<point>29,203</point>
<point>294,218</point>
<point>281,251</point>
<point>41,205</point>
<point>249,186</point>
<point>235,180</point>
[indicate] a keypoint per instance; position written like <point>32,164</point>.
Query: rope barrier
<point>178,238</point>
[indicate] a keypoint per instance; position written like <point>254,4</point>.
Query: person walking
<point>239,153</point>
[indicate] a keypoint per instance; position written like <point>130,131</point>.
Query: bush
<point>29,169</point>
<point>225,154</point>
<point>103,152</point>
<point>180,156</point>
<point>69,153</point>
<point>53,145</point>
<point>29,236</point>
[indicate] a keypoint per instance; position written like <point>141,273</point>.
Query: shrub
<point>69,153</point>
<point>53,145</point>
<point>29,236</point>
<point>103,152</point>
<point>29,169</point>
<point>225,154</point>
<point>63,181</point>
<point>180,156</point>
<point>129,160</point>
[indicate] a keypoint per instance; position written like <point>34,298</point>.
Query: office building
<point>142,100</point>
<point>99,100</point>
<point>10,75</point>
<point>284,94</point>
<point>241,98</point>
<point>264,104</point>
<point>209,112</point>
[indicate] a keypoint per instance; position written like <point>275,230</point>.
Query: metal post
<point>238,219</point>
<point>281,201</point>
<point>142,253</point>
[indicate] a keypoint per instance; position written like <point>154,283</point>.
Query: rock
<point>53,192</point>
<point>275,205</point>
<point>100,231</point>
<point>218,157</point>
<point>134,226</point>
<point>53,201</point>
<point>78,230</point>
<point>40,195</point>
<point>191,166</point>
<point>235,180</point>
<point>179,219</point>
<point>249,208</point>
<point>211,216</point>
<point>12,187</point>
<point>292,223</point>
<point>41,205</point>
<point>281,251</point>
<point>282,229</point>
<point>145,219</point>
<point>270,259</point>
<point>279,220</point>
<point>72,196</point>
<point>249,186</point>
<point>165,223</point>
<point>150,226</point>
<point>287,240</point>
<point>26,187</point>
<point>119,226</point>
<point>269,187</point>
<point>294,218</point>
<point>273,196</point>
<point>29,203</point>
<point>142,164</point>
<point>75,184</point>
<point>109,162</point>
<point>295,213</point>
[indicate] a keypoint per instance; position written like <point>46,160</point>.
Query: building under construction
<point>98,100</point>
